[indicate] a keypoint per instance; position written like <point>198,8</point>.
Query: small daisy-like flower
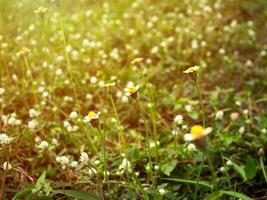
<point>23,52</point>
<point>93,118</point>
<point>40,10</point>
<point>197,132</point>
<point>131,90</point>
<point>191,70</point>
<point>198,135</point>
<point>136,60</point>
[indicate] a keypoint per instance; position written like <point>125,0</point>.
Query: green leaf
<point>240,170</point>
<point>237,195</point>
<point>200,183</point>
<point>22,193</point>
<point>41,181</point>
<point>168,167</point>
<point>193,115</point>
<point>215,195</point>
<point>81,195</point>
<point>250,168</point>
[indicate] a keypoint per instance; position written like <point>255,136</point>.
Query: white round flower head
<point>245,112</point>
<point>33,113</point>
<point>12,121</point>
<point>6,166</point>
<point>234,116</point>
<point>188,108</point>
<point>37,139</point>
<point>264,130</point>
<point>188,137</point>
<point>43,145</point>
<point>54,141</point>
<point>73,115</point>
<point>222,169</point>
<point>178,119</point>
<point>74,164</point>
<point>191,147</point>
<point>63,160</point>
<point>2,91</point>
<point>4,139</point>
<point>219,115</point>
<point>84,158</point>
<point>89,96</point>
<point>66,124</point>
<point>124,99</point>
<point>33,124</point>
<point>59,72</point>
<point>242,130</point>
<point>162,191</point>
<point>93,79</point>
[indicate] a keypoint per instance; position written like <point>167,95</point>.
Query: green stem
<point>198,176</point>
<point>263,169</point>
<point>105,157</point>
<point>117,118</point>
<point>147,142</point>
<point>68,60</point>
<point>201,102</point>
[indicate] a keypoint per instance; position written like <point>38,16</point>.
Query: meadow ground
<point>133,99</point>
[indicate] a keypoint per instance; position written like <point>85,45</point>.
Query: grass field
<point>133,99</point>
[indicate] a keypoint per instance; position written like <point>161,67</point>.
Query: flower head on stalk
<point>136,60</point>
<point>198,135</point>
<point>93,118</point>
<point>131,90</point>
<point>23,52</point>
<point>108,86</point>
<point>192,71</point>
<point>40,10</point>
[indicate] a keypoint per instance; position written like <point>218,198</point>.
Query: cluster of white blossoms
<point>65,162</point>
<point>70,128</point>
<point>43,145</point>
<point>125,166</point>
<point>178,119</point>
<point>33,123</point>
<point>11,120</point>
<point>4,139</point>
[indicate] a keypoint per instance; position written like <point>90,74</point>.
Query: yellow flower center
<point>132,90</point>
<point>91,115</point>
<point>197,130</point>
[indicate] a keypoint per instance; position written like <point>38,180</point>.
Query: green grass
<point>74,57</point>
